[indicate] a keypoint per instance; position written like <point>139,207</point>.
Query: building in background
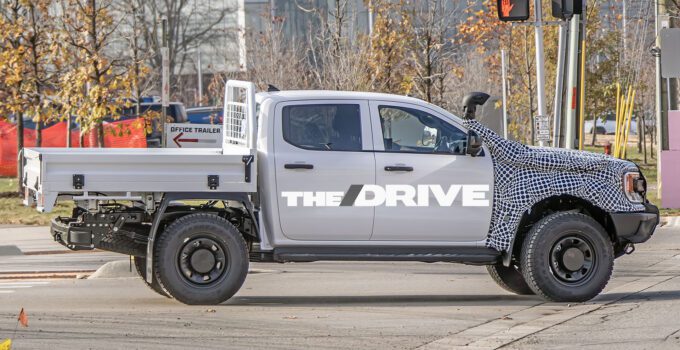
<point>298,16</point>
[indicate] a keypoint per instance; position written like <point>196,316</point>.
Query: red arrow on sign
<point>177,140</point>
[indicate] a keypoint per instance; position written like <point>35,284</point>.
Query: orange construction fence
<point>120,134</point>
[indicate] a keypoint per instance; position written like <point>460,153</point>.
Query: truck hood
<point>583,161</point>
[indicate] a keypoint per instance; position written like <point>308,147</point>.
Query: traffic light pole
<point>540,61</point>
<point>559,86</point>
<point>572,81</point>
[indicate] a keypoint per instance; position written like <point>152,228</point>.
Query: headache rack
<point>239,123</point>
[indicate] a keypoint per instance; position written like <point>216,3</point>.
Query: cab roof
<point>305,95</point>
<point>291,95</point>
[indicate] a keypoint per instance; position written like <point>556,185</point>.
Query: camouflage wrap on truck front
<point>526,175</point>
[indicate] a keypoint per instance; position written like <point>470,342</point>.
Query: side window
<point>328,127</point>
<point>411,130</point>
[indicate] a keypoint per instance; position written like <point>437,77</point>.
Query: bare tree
<point>191,24</point>
<point>276,60</point>
<point>334,53</point>
<point>137,55</point>
<point>433,50</point>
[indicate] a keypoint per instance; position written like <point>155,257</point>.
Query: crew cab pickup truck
<point>325,175</point>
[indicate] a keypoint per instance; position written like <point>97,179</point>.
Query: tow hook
<point>629,249</point>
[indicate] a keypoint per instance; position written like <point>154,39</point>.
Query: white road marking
<point>504,331</point>
<point>673,221</point>
<point>10,286</point>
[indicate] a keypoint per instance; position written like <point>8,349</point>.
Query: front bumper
<point>636,227</point>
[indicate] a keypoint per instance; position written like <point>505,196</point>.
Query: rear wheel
<point>567,257</point>
<point>510,279</point>
<point>201,259</point>
<point>140,266</point>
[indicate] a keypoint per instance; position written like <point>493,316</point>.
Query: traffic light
<point>564,9</point>
<point>513,10</point>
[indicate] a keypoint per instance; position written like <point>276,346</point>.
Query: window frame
<point>379,145</point>
<point>364,122</point>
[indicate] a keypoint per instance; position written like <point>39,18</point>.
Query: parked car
<point>205,115</point>
<point>176,113</point>
<point>608,125</point>
<point>328,175</point>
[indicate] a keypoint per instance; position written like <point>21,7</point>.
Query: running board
<point>464,255</point>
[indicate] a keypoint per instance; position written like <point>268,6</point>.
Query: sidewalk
<point>30,239</point>
<point>27,251</point>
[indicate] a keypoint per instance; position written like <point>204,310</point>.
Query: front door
<point>323,147</point>
<point>452,192</point>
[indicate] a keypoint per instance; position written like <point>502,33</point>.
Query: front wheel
<point>567,257</point>
<point>201,259</point>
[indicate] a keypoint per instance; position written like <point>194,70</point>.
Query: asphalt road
<point>355,305</point>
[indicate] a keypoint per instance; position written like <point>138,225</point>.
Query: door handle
<point>398,168</point>
<point>298,166</point>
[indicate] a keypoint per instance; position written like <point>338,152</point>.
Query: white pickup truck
<point>326,175</point>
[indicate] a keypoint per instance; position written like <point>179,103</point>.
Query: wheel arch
<point>168,197</point>
<point>555,204</point>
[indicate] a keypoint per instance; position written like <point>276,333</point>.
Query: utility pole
<point>559,85</point>
<point>370,17</point>
<point>505,93</point>
<point>165,79</point>
<point>200,76</point>
<point>540,62</point>
<point>658,98</point>
<point>625,43</point>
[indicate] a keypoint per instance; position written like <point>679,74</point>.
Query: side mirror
<point>471,101</point>
<point>474,143</point>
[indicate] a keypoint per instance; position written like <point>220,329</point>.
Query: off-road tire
<point>140,266</point>
<point>510,279</point>
<point>541,243</point>
<point>181,235</point>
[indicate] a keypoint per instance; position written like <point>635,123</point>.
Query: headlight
<point>634,186</point>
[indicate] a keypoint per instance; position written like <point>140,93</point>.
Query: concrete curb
<point>115,269</point>
<point>670,221</point>
<point>10,250</point>
<point>123,269</point>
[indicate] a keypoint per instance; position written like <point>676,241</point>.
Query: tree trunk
<point>38,133</point>
<point>100,135</point>
<point>652,141</point>
<point>643,137</point>
<point>639,132</point>
<point>594,131</point>
<point>68,131</point>
<point>20,146</point>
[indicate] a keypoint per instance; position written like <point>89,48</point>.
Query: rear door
<point>322,147</point>
<point>419,147</point>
